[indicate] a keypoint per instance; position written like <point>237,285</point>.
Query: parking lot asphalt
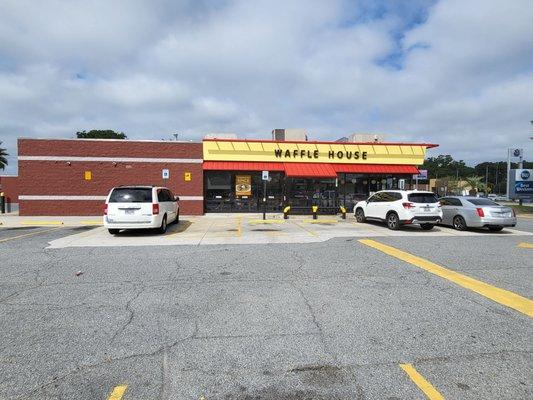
<point>332,319</point>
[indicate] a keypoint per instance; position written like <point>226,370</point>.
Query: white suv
<point>400,207</point>
<point>140,207</point>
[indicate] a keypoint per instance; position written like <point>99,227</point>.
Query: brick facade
<point>50,176</point>
<point>9,185</point>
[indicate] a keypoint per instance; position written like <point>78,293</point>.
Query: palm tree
<point>475,183</point>
<point>3,157</point>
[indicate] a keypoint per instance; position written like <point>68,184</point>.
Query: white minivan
<point>140,207</point>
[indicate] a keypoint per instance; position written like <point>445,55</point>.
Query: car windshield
<point>131,195</point>
<point>483,202</point>
<point>422,198</point>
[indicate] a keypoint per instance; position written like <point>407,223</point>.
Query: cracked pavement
<point>330,320</point>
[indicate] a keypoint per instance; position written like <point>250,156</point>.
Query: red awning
<point>375,169</point>
<point>242,166</point>
<point>318,170</point>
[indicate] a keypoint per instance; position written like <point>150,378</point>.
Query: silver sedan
<point>475,212</point>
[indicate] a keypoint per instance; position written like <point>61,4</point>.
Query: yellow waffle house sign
<point>315,152</point>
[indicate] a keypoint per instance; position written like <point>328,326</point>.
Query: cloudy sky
<point>454,72</point>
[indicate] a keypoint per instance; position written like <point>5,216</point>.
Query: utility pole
<point>497,172</point>
<point>508,173</point>
<point>487,179</point>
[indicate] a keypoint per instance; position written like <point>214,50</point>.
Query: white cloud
<point>153,68</point>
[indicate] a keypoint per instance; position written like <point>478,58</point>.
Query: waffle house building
<point>74,176</point>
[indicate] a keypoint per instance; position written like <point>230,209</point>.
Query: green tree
<point>100,134</point>
<point>475,183</point>
<point>3,157</point>
<point>444,165</point>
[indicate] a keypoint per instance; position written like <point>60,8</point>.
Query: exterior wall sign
<point>522,184</point>
<point>314,152</point>
<point>187,176</point>
<point>243,185</point>
<point>165,174</point>
<point>87,175</point>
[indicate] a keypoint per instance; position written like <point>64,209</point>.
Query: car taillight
<point>438,204</point>
<point>155,209</point>
<point>105,209</point>
<point>407,206</point>
<point>480,212</point>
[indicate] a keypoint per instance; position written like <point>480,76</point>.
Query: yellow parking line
<point>92,222</point>
<point>41,223</point>
<point>525,245</point>
<point>239,226</point>
<point>494,293</point>
<point>28,234</point>
<point>426,387</point>
<point>318,221</point>
<point>117,392</point>
<point>266,221</point>
<point>309,231</point>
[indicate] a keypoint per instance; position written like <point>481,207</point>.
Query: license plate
<point>129,212</point>
<point>427,209</point>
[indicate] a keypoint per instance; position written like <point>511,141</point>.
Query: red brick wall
<point>59,178</point>
<point>10,187</point>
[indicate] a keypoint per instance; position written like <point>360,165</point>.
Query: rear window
<point>422,198</point>
<point>483,202</point>
<point>131,195</point>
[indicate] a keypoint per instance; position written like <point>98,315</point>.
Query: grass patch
<point>522,209</point>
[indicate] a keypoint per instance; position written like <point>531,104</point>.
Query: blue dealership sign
<point>521,183</point>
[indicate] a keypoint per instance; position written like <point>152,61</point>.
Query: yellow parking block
<point>525,245</point>
<point>426,387</point>
<point>501,296</point>
<point>41,223</point>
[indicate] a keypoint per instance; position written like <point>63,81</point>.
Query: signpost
<point>264,177</point>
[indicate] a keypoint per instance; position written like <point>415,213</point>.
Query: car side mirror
<point>176,198</point>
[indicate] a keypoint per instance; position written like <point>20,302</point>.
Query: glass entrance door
<point>303,193</point>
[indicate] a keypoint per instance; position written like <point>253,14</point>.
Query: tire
<point>393,222</point>
<point>360,215</point>
<point>177,221</point>
<point>163,227</point>
<point>113,231</point>
<point>427,227</point>
<point>495,228</point>
<point>459,223</point>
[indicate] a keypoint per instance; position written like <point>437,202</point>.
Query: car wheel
<point>113,231</point>
<point>360,215</point>
<point>177,217</point>
<point>495,228</point>
<point>163,227</point>
<point>427,227</point>
<point>393,222</point>
<point>459,223</point>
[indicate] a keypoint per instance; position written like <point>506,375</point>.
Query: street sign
<point>422,174</point>
<point>265,175</point>
<point>165,173</point>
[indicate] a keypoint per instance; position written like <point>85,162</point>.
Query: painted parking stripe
<point>501,296</point>
<point>309,231</point>
<point>117,392</point>
<point>525,245</point>
<point>426,387</point>
<point>28,234</point>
